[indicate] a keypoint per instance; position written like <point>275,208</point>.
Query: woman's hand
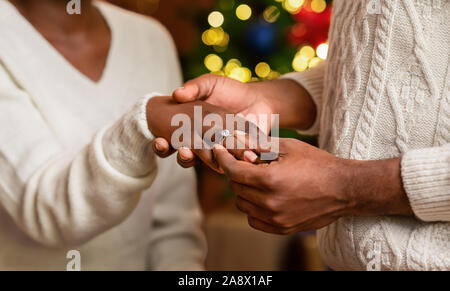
<point>308,188</point>
<point>195,140</point>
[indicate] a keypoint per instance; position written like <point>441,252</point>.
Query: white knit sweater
<point>68,180</point>
<point>385,92</point>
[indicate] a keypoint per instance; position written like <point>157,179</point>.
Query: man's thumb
<point>188,93</point>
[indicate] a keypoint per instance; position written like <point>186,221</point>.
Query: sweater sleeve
<point>59,198</point>
<point>426,179</point>
<point>177,239</point>
<point>312,80</point>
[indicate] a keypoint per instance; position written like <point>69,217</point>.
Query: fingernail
<point>250,156</point>
<point>181,88</point>
<point>158,147</point>
<point>185,150</point>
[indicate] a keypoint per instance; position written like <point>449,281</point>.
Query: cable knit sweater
<point>385,92</point>
<point>74,174</point>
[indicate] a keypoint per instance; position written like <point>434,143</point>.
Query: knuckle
<point>271,180</point>
<point>281,221</point>
<point>271,204</point>
<point>277,220</point>
<point>286,231</point>
<point>241,206</point>
<point>252,222</point>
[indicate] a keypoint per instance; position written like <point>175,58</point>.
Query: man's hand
<point>232,95</point>
<point>283,97</point>
<point>307,188</point>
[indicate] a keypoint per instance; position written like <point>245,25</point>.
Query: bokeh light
<point>215,19</point>
<point>241,74</point>
<point>300,63</point>
<point>293,6</point>
<point>231,65</point>
<point>213,62</point>
<point>307,51</point>
<point>318,6</point>
<point>322,51</point>
<point>271,14</point>
<point>262,70</point>
<point>314,62</point>
<point>243,12</point>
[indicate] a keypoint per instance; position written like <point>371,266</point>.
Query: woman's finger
<point>162,148</point>
<point>186,158</point>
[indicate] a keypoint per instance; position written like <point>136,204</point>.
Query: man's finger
<point>251,194</point>
<point>162,148</point>
<point>207,158</point>
<point>195,89</point>
<point>253,210</point>
<point>266,227</point>
<point>238,171</point>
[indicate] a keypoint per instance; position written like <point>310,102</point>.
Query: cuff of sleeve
<point>127,143</point>
<point>312,80</point>
<point>426,179</point>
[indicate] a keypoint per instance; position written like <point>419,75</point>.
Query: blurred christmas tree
<point>260,40</point>
<point>257,40</point>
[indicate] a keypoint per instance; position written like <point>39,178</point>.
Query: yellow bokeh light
<point>213,62</point>
<point>273,75</point>
<point>271,14</point>
<point>215,19</point>
<point>220,49</point>
<point>243,12</point>
<point>318,6</point>
<point>231,65</point>
<point>241,74</point>
<point>219,73</point>
<point>224,40</point>
<point>262,70</point>
<point>314,62</point>
<point>235,61</point>
<point>307,51</point>
<point>300,63</point>
<point>322,51</point>
<point>293,6</point>
<point>213,36</point>
<point>205,38</point>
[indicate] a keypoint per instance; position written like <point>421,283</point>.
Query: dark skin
<point>305,188</point>
<point>82,39</point>
<point>161,110</point>
<point>323,188</point>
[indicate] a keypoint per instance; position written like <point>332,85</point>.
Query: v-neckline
<point>66,63</point>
